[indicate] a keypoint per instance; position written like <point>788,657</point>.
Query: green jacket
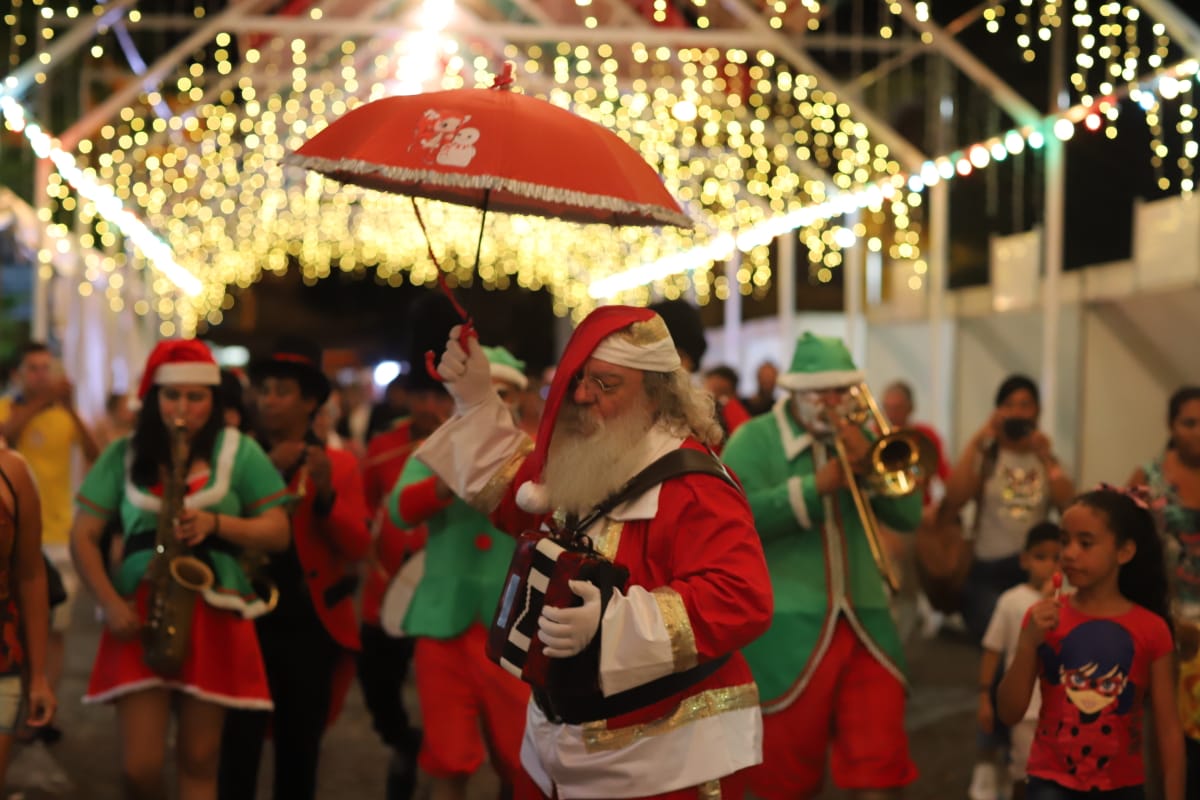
<point>466,562</point>
<point>817,568</point>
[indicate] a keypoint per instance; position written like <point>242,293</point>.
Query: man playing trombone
<point>830,669</point>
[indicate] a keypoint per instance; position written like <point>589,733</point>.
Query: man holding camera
<point>1009,469</point>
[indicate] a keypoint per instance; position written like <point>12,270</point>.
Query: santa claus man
<point>698,588</point>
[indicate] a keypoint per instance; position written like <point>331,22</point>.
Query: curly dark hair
<point>151,444</point>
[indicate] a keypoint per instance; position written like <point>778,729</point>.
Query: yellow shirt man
<point>46,442</point>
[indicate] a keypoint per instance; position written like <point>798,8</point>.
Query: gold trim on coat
<point>679,627</point>
<point>493,491</point>
<point>609,538</point>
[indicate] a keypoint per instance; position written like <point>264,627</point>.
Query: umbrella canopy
<point>493,149</point>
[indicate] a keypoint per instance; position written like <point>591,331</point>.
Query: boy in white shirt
<point>1039,559</point>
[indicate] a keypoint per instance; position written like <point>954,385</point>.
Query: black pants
<point>382,669</point>
<point>1193,767</point>
<point>300,660</point>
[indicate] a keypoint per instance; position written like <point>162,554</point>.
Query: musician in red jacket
<point>669,708</point>
<point>309,639</point>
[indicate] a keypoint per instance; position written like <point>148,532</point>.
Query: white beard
<point>589,458</point>
<point>811,414</point>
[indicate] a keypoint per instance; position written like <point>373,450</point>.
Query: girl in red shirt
<point>1099,654</point>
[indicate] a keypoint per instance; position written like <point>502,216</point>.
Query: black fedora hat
<point>430,318</point>
<point>294,357</point>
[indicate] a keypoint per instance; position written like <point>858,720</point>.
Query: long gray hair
<point>682,407</point>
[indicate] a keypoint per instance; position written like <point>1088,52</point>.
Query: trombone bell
<point>899,463</point>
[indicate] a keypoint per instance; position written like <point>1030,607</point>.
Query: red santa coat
<point>698,590</point>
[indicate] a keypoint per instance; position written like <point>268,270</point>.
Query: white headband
<point>179,372</point>
<point>658,356</point>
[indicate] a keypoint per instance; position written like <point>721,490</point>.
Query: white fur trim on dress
<point>533,498</point>
<point>178,372</point>
<point>815,381</point>
<point>228,701</point>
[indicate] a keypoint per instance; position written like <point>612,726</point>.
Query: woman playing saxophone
<point>222,496</point>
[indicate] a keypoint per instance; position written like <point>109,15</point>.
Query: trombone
<point>896,465</point>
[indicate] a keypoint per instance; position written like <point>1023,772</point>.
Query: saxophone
<point>175,574</point>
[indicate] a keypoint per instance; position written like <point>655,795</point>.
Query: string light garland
<point>731,132</point>
<point>738,136</point>
<point>1177,82</point>
<point>101,198</point>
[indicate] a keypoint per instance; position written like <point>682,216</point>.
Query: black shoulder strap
<point>12,490</point>
<point>682,461</point>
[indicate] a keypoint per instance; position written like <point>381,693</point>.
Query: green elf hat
<point>506,367</point>
<point>820,362</point>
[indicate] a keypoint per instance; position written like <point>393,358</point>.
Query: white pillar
<point>43,269</point>
<point>941,343</point>
<point>1054,153</point>
<point>941,339</point>
<point>733,311</point>
<point>942,333</point>
<point>785,297</point>
<point>852,297</point>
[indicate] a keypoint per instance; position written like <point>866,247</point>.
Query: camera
<point>1016,428</point>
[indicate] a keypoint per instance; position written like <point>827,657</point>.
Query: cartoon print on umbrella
<point>435,131</point>
<point>461,149</point>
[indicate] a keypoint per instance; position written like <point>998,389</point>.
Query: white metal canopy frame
<point>763,118</point>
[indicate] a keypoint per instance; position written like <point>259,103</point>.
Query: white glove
<point>565,632</point>
<point>468,376</point>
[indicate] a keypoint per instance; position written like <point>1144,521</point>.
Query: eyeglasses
<point>604,387</point>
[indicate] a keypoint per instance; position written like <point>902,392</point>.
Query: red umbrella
<point>496,150</point>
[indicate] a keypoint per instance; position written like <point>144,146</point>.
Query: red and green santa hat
<point>174,362</point>
<point>644,343</point>
<point>820,362</point>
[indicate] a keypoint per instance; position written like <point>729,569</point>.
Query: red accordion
<point>538,575</point>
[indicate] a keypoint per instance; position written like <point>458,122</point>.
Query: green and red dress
<point>224,663</point>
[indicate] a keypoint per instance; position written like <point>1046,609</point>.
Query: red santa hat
<point>178,361</point>
<point>648,346</point>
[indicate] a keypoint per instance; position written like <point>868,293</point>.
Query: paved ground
<point>353,764</point>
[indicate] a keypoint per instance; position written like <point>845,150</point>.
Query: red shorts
<point>731,787</point>
<point>458,686</point>
<point>852,702</point>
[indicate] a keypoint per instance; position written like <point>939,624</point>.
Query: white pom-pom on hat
<point>533,498</point>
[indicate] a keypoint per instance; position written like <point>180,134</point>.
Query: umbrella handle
<point>465,334</point>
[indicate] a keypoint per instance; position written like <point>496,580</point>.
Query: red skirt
<point>224,664</point>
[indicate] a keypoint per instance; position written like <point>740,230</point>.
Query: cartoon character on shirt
<point>1091,668</point>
